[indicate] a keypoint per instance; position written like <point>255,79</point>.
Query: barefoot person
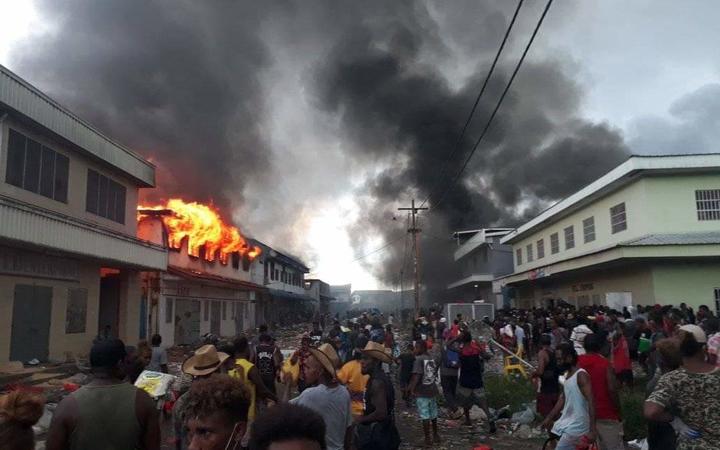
<point>424,387</point>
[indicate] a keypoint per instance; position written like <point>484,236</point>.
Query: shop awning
<point>195,275</point>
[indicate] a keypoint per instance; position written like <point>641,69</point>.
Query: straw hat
<point>378,351</point>
<point>327,356</point>
<point>205,361</point>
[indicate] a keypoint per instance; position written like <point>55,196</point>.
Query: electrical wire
<point>497,106</point>
<point>456,147</point>
<point>378,249</point>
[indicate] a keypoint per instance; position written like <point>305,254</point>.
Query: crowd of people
<point>337,390</point>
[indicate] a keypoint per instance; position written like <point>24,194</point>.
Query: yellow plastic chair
<point>512,364</point>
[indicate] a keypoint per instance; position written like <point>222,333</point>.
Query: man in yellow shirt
<point>351,376</point>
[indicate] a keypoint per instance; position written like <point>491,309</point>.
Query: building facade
<point>196,296</point>
<point>480,258</point>
<point>70,261</point>
<point>287,300</point>
<point>320,292</point>
<point>647,232</point>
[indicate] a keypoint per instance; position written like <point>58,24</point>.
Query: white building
<point>69,259</point>
<point>646,232</point>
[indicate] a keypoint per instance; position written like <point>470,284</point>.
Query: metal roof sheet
<point>20,96</point>
<point>711,237</point>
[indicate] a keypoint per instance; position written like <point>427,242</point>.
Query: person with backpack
<point>449,378</point>
<point>268,360</point>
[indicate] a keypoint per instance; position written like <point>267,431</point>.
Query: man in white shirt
<point>327,397</point>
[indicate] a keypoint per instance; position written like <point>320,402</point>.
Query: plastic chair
<point>512,364</point>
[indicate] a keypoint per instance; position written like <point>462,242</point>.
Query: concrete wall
<point>671,204</point>
<point>664,282</point>
<point>692,282</point>
<point>60,342</point>
<point>77,183</point>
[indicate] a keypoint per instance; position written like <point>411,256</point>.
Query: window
<point>708,204</point>
<point>105,197</point>
<point>541,248</point>
<point>529,252</point>
<point>717,301</point>
<point>36,168</point>
<point>554,243</point>
<point>224,310</point>
<point>569,237</point>
<point>589,229</point>
<point>168,310</point>
<point>618,221</point>
<point>518,257</point>
<point>206,314</point>
<point>76,311</point>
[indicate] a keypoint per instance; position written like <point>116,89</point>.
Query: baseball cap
<point>696,331</point>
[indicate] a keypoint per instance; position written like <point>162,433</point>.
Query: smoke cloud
<point>271,110</point>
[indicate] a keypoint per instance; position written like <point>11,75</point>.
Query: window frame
<point>529,252</point>
<point>589,230</point>
<point>107,198</point>
<point>707,204</point>
<point>540,244</point>
<point>616,212</point>
<point>569,232</point>
<point>49,183</point>
<point>518,256</point>
<point>555,243</point>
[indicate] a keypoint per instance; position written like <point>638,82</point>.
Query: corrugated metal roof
<point>38,227</point>
<point>29,101</point>
<point>711,237</point>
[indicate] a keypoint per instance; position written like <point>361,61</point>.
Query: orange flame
<point>201,225</point>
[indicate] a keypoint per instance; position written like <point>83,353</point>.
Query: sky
<point>314,158</point>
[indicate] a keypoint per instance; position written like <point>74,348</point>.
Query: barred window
<point>618,219</point>
<point>589,229</point>
<point>708,204</point>
<point>518,257</point>
<point>569,237</point>
<point>554,243</point>
<point>541,248</point>
<point>529,252</point>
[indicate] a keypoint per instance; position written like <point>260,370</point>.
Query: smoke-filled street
<point>376,225</point>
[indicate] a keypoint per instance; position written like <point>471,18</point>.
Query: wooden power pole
<point>414,230</point>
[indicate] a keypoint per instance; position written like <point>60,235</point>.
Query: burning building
<point>70,261</point>
<point>213,282</point>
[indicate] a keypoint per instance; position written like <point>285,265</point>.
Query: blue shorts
<point>427,407</point>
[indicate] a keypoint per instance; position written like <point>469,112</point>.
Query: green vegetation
<point>631,406</point>
<point>513,391</point>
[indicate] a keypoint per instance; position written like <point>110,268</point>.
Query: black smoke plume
<point>399,107</point>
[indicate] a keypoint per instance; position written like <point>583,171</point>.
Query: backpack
<point>452,359</point>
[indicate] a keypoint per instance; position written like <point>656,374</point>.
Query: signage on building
<point>30,264</point>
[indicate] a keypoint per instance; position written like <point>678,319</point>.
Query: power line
<point>456,147</point>
<point>499,103</point>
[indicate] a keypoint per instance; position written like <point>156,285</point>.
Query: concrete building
<point>342,302</point>
<point>69,259</point>
<point>319,291</point>
<point>195,296</point>
<point>480,258</point>
<point>646,232</point>
<point>284,276</point>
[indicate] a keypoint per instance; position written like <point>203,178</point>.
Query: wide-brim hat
<point>205,361</point>
<point>378,351</point>
<point>327,356</point>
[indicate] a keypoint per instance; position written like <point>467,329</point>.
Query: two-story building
<point>319,291</point>
<point>69,259</point>
<point>647,232</point>
<point>480,258</point>
<point>197,295</point>
<point>284,276</point>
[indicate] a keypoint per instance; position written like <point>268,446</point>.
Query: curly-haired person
<point>288,427</point>
<point>216,413</point>
<point>19,411</point>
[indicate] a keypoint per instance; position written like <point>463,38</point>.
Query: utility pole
<point>414,230</point>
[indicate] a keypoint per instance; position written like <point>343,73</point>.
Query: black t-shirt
<point>406,365</point>
<point>265,360</point>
